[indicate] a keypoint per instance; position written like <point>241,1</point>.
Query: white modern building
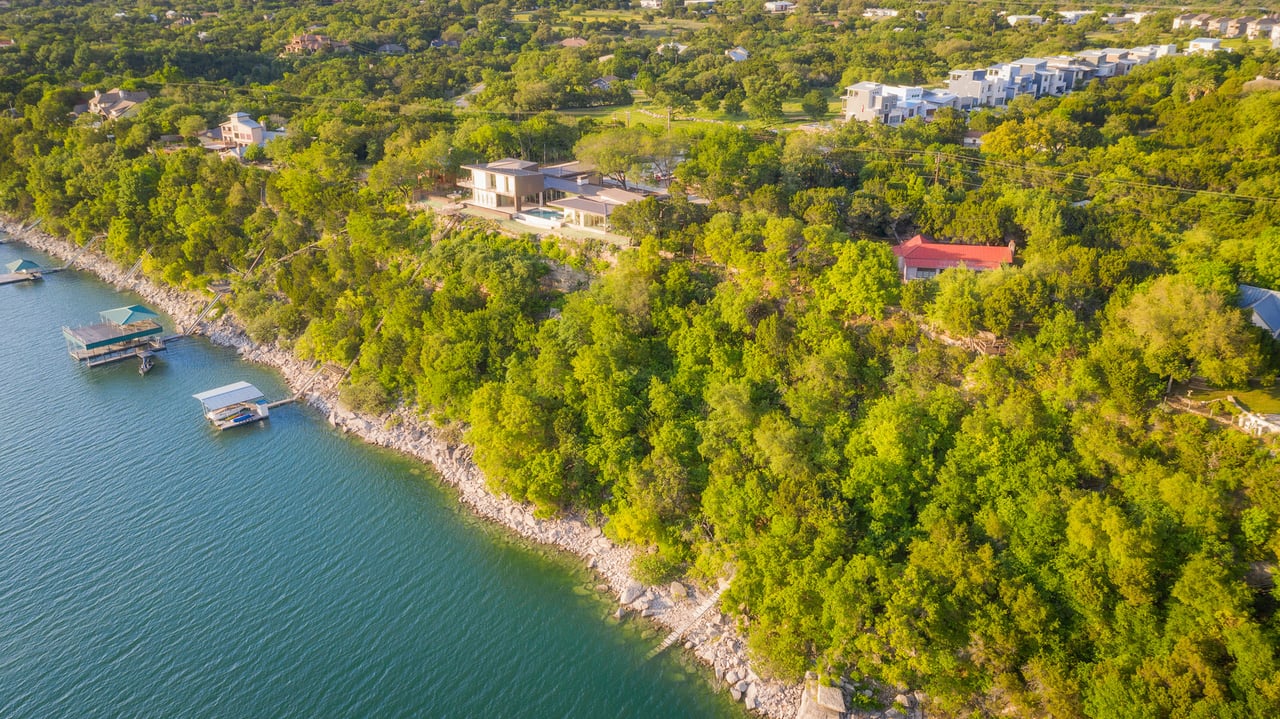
<point>893,104</point>
<point>1204,45</point>
<point>1071,17</point>
<point>997,85</point>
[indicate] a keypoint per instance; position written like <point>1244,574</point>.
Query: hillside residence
<point>114,103</point>
<point>1261,28</point>
<point>1237,27</point>
<point>1016,20</point>
<point>879,13</point>
<point>1191,21</point>
<point>506,185</point>
<point>891,104</point>
<point>1264,307</point>
<point>651,4</point>
<point>591,211</point>
<point>242,130</point>
<point>391,48</point>
<point>778,7</point>
<point>238,132</point>
<point>1204,45</point>
<point>309,44</point>
<point>1213,25</point>
<point>1071,17</point>
<point>1129,17</point>
<point>737,54</point>
<point>547,196</point>
<point>672,46</point>
<point>1217,25</point>
<point>705,4</point>
<point>920,259</point>
<point>574,42</point>
<point>995,86</point>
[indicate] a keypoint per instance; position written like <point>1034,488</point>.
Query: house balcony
<point>466,182</point>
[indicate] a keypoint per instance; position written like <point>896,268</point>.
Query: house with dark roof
<point>920,259</point>
<point>1264,306</point>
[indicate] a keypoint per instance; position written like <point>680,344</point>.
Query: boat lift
<point>233,405</point>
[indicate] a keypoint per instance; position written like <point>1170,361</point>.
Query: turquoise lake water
<point>153,567</point>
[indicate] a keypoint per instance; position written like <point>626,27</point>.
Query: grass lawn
<point>1262,400</point>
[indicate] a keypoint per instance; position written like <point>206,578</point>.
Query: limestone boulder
<point>678,591</point>
<point>631,592</point>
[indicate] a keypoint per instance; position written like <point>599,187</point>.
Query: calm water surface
<point>152,567</point>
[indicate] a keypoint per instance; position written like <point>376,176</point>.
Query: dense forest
<point>750,388</point>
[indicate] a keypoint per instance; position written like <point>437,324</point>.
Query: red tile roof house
<point>920,259</point>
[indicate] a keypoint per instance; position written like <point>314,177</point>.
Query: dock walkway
<point>684,629</point>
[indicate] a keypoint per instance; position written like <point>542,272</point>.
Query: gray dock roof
<point>227,395</point>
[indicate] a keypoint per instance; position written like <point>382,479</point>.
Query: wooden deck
<point>14,278</point>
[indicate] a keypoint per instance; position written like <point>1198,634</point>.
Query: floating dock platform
<point>234,405</point>
<point>123,333</point>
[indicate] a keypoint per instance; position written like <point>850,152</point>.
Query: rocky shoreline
<point>714,639</point>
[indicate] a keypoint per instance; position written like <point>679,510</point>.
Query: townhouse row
<point>994,86</point>
<point>1253,28</point>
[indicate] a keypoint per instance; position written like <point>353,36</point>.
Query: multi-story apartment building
<point>997,85</point>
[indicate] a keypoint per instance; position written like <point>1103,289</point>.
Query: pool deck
<point>441,204</point>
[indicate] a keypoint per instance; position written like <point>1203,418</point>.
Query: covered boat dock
<point>233,405</point>
<point>124,332</point>
<point>21,271</point>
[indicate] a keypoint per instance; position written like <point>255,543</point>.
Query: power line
<point>1062,174</point>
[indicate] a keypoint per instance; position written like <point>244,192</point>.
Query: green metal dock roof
<point>128,315</point>
<point>24,266</point>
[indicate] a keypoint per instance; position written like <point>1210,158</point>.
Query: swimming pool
<point>544,213</point>
<point>539,217</point>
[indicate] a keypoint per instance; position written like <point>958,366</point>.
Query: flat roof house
<point>1204,45</point>
<point>920,259</point>
<point>893,104</point>
<point>505,185</point>
<point>592,211</point>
